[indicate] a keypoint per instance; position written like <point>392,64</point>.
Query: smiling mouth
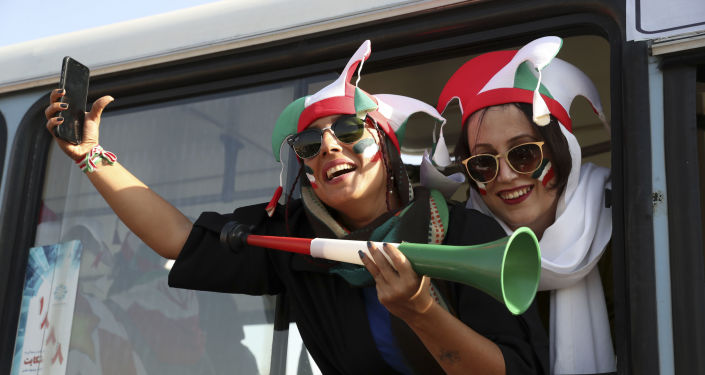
<point>339,170</point>
<point>515,194</point>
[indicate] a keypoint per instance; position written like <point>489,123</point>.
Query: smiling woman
<point>519,197</point>
<point>525,167</point>
<point>380,318</point>
<point>349,177</point>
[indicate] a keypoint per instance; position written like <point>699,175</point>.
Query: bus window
<point>425,81</point>
<point>213,153</point>
<point>209,153</point>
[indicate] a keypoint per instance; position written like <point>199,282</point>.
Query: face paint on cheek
<point>310,176</point>
<point>548,176</point>
<point>544,173</point>
<point>537,173</point>
<point>368,149</point>
<point>482,188</point>
<point>377,157</point>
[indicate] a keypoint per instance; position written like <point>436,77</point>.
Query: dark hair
<point>555,143</point>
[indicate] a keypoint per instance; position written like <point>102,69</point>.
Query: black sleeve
<point>522,339</point>
<point>205,264</point>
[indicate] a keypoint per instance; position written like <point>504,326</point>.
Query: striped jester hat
<point>531,75</point>
<point>341,97</point>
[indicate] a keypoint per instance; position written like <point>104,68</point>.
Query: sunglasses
<point>346,129</point>
<point>524,158</point>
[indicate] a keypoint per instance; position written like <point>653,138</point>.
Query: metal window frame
<point>18,224</point>
<point>685,224</point>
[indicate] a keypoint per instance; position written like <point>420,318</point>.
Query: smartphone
<point>74,80</point>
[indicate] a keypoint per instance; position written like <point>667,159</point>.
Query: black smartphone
<point>74,80</point>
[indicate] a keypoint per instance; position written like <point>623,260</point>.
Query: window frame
<point>3,143</point>
<point>685,224</point>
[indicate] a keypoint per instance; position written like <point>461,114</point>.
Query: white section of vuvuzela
<point>343,250</point>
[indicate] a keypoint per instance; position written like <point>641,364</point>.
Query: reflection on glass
<point>204,154</point>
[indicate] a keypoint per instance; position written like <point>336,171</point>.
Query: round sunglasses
<point>346,129</point>
<point>524,158</point>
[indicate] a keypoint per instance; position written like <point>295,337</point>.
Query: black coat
<point>329,313</point>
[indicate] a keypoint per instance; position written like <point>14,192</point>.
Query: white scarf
<point>580,340</point>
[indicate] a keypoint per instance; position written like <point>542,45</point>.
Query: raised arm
<point>154,220</point>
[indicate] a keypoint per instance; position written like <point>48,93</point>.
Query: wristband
<point>88,163</point>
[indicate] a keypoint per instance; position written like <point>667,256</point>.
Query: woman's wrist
<point>420,317</point>
<point>89,162</point>
<point>416,311</point>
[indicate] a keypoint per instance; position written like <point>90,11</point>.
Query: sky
<point>25,20</point>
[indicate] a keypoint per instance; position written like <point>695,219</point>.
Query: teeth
<point>516,193</point>
<point>340,167</point>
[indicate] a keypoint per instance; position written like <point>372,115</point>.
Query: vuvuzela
<point>508,269</point>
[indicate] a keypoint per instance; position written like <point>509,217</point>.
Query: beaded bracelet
<point>88,163</point>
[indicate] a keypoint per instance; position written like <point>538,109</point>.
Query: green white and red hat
<point>531,75</point>
<point>342,97</point>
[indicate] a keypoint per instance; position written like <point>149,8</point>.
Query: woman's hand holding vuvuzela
<point>407,295</point>
<point>403,292</point>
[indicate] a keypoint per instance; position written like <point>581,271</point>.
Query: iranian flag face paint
<point>310,176</point>
<point>545,173</point>
<point>368,149</point>
<point>482,188</point>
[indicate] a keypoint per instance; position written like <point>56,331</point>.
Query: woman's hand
<point>456,347</point>
<point>403,292</point>
<point>90,126</point>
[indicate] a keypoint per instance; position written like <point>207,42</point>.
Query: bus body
<point>197,94</point>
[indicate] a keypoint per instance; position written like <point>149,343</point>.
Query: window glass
<point>205,154</point>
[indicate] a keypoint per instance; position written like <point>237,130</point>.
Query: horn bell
<point>507,269</point>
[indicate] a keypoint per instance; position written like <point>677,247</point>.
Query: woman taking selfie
<point>353,186</point>
<point>525,169</point>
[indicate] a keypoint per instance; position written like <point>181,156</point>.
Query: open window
<point>197,131</point>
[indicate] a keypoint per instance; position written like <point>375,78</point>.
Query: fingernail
<point>369,244</point>
<point>361,254</point>
<point>60,91</point>
<point>63,105</point>
<point>384,244</point>
<point>59,119</point>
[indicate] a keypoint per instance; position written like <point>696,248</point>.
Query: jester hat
<point>341,97</point>
<point>531,75</point>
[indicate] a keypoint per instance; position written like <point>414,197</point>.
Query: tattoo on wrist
<point>449,356</point>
